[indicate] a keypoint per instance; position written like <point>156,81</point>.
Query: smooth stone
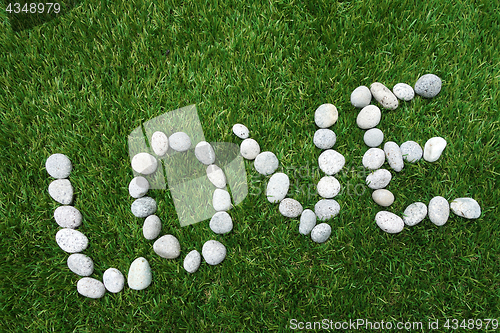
<point>324,138</point>
<point>428,86</point>
<point>167,246</point>
<point>326,209</point>
<point>192,261</point>
<point>328,187</point>
<point>307,221</point>
<point>326,115</point>
<point>414,213</point>
<point>205,153</point>
<point>90,287</point>
<point>403,91</point>
<point>151,227</point>
<point>68,217</point>
<point>61,191</point>
<point>221,223</point>
<point>143,207</point>
<point>389,222</point>
<point>378,179</point>
<point>434,148</point>
<point>266,163</point>
<point>144,163</point>
<point>138,187</point>
<point>331,162</point>
<point>159,143</point>
<point>71,241</point>
<point>139,274</point>
<point>368,117</point>
<point>438,210</point>
<point>277,187</point>
<point>179,141</point>
<point>249,149</point>
<point>373,137</point>
<point>213,252</point>
<point>383,197</point>
<point>361,97</point>
<point>241,131</point>
<point>58,166</point>
<point>394,156</point>
<point>80,264</point>
<point>411,151</point>
<point>466,207</point>
<point>113,280</point>
<point>221,200</point>
<point>321,233</point>
<point>290,208</point>
<point>216,176</point>
<point>384,96</point>
<point>374,158</point>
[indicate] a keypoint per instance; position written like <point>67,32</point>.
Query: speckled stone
<point>331,162</point>
<point>373,159</point>
<point>241,131</point>
<point>143,207</point>
<point>384,96</point>
<point>383,197</point>
<point>144,163</point>
<point>221,200</point>
<point>394,156</point>
<point>277,187</point>
<point>58,166</point>
<point>328,187</point>
<point>216,176</point>
<point>378,179</point>
<point>307,221</point>
<point>389,222</point>
<point>151,227</point>
<point>249,149</point>
<point>466,207</point>
<point>434,148</point>
<point>403,91</point>
<point>213,252</point>
<point>290,208</point>
<point>321,233</point>
<point>361,97</point>
<point>139,274</point>
<point>68,217</point>
<point>266,163</point>
<point>61,191</point>
<point>192,261</point>
<point>138,187</point>
<point>368,117</point>
<point>428,86</point>
<point>80,264</point>
<point>414,213</point>
<point>167,246</point>
<point>179,141</point>
<point>326,115</point>
<point>221,223</point>
<point>411,151</point>
<point>373,137</point>
<point>71,241</point>
<point>324,138</point>
<point>439,210</point>
<point>159,143</point>
<point>113,280</point>
<point>326,209</point>
<point>205,153</point>
<point>90,287</point>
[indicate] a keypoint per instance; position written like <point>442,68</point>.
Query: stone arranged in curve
<point>415,213</point>
<point>113,280</point>
<point>434,148</point>
<point>403,91</point>
<point>68,217</point>
<point>213,252</point>
<point>241,131</point>
<point>326,115</point>
<point>361,97</point>
<point>373,137</point>
<point>369,117</point>
<point>466,207</point>
<point>384,96</point>
<point>90,287</point>
<point>61,191</point>
<point>394,156</point>
<point>383,197</point>
<point>428,86</point>
<point>139,274</point>
<point>277,187</point>
<point>58,166</point>
<point>324,138</point>
<point>389,222</point>
<point>192,261</point>
<point>80,264</point>
<point>266,163</point>
<point>411,151</point>
<point>331,162</point>
<point>438,211</point>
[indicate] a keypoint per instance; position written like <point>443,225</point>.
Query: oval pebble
<point>307,221</point>
<point>139,274</point>
<point>216,176</point>
<point>434,148</point>
<point>373,137</point>
<point>368,117</point>
<point>159,143</point>
<point>326,209</point>
<point>466,207</point>
<point>113,280</point>
<point>151,227</point>
<point>192,261</point>
<point>394,156</point>
<point>374,158</point>
<point>68,217</point>
<point>71,241</point>
<point>138,187</point>
<point>361,97</point>
<point>241,131</point>
<point>321,233</point>
<point>144,163</point>
<point>411,151</point>
<point>58,166</point>
<point>383,197</point>
<point>266,163</point>
<point>179,141</point>
<point>331,162</point>
<point>61,191</point>
<point>213,252</point>
<point>290,208</point>
<point>249,149</point>
<point>205,153</point>
<point>428,86</point>
<point>80,264</point>
<point>221,200</point>
<point>328,187</point>
<point>90,287</point>
<point>403,91</point>
<point>326,115</point>
<point>438,210</point>
<point>167,246</point>
<point>378,179</point>
<point>221,223</point>
<point>384,96</point>
<point>143,207</point>
<point>277,187</point>
<point>324,138</point>
<point>389,222</point>
<point>414,213</point>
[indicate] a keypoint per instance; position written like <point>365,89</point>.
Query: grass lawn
<point>79,83</point>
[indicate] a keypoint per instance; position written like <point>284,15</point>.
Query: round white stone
<point>394,156</point>
<point>403,91</point>
<point>326,115</point>
<point>151,227</point>
<point>324,138</point>
<point>383,197</point>
<point>307,221</point>
<point>378,179</point>
<point>71,241</point>
<point>374,158</point>
<point>328,187</point>
<point>138,187</point>
<point>213,252</point>
<point>277,187</point>
<point>113,280</point>
<point>321,233</point>
<point>249,149</point>
<point>143,207</point>
<point>331,162</point>
<point>361,97</point>
<point>61,191</point>
<point>179,141</point>
<point>139,274</point>
<point>192,261</point>
<point>80,264</point>
<point>368,117</point>
<point>434,148</point>
<point>290,208</point>
<point>221,223</point>
<point>167,246</point>
<point>384,96</point>
<point>439,210</point>
<point>144,163</point>
<point>241,131</point>
<point>389,222</point>
<point>266,163</point>
<point>326,209</point>
<point>58,166</point>
<point>414,213</point>
<point>216,176</point>
<point>90,287</point>
<point>205,153</point>
<point>373,137</point>
<point>428,85</point>
<point>68,217</point>
<point>411,151</point>
<point>466,207</point>
<point>221,200</point>
<point>159,143</point>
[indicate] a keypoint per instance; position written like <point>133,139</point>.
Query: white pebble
<point>80,264</point>
<point>321,233</point>
<point>328,187</point>
<point>151,227</point>
<point>384,96</point>
<point>361,97</point>
<point>277,187</point>
<point>389,222</point>
<point>179,141</point>
<point>143,207</point>
<point>378,179</point>
<point>61,191</point>
<point>428,85</point>
<point>68,217</point>
<point>414,213</point>
<point>192,261</point>
<point>159,143</point>
<point>71,241</point>
<point>383,197</point>
<point>205,153</point>
<point>411,151</point>
<point>438,210</point>
<point>290,208</point>
<point>373,137</point>
<point>113,280</point>
<point>138,187</point>
<point>241,131</point>
<point>216,176</point>
<point>331,162</point>
<point>213,252</point>
<point>58,166</point>
<point>324,138</point>
<point>326,209</point>
<point>221,223</point>
<point>144,163</point>
<point>167,246</point>
<point>326,115</point>
<point>90,287</point>
<point>368,117</point>
<point>373,159</point>
<point>403,91</point>
<point>266,163</point>
<point>221,200</point>
<point>139,274</point>
<point>434,148</point>
<point>307,221</point>
<point>249,149</point>
<point>466,207</point>
<point>394,156</point>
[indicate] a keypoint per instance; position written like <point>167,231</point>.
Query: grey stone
<point>438,210</point>
<point>277,187</point>
<point>428,85</point>
<point>378,179</point>
<point>179,141</point>
<point>68,217</point>
<point>266,163</point>
<point>384,96</point>
<point>144,163</point>
<point>58,166</point>
<point>326,115</point>
<point>167,246</point>
<point>159,143</point>
<point>466,207</point>
<point>71,241</point>
<point>138,187</point>
<point>411,151</point>
<point>221,223</point>
<point>205,153</point>
<point>216,176</point>
<point>151,227</point>
<point>368,117</point>
<point>394,156</point>
<point>143,207</point>
<point>328,187</point>
<point>90,287</point>
<point>139,274</point>
<point>373,159</point>
<point>326,209</point>
<point>241,131</point>
<point>290,208</point>
<point>373,137</point>
<point>414,213</point>
<point>383,197</point>
<point>403,91</point>
<point>113,280</point>
<point>213,252</point>
<point>361,97</point>
<point>331,162</point>
<point>434,148</point>
<point>321,233</point>
<point>307,221</point>
<point>80,264</point>
<point>389,222</point>
<point>221,200</point>
<point>61,191</point>
<point>192,261</point>
<point>249,149</point>
<point>324,138</point>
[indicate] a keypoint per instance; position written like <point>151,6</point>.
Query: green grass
<point>79,83</point>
